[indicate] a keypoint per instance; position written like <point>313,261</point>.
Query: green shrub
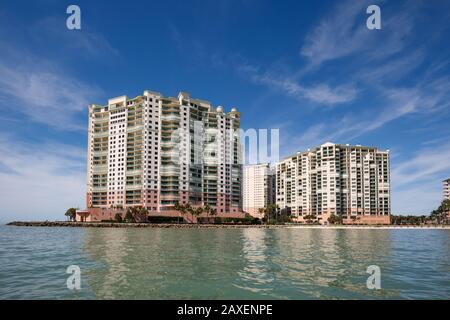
<point>118,217</point>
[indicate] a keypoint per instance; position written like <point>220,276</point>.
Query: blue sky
<point>310,68</point>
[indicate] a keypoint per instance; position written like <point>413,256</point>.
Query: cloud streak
<point>320,93</point>
<point>416,187</point>
<point>423,99</point>
<point>40,181</point>
<point>46,96</point>
<point>86,42</point>
<point>428,164</point>
<point>343,33</point>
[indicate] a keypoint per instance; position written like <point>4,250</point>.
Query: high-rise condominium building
<point>351,181</point>
<point>259,188</point>
<point>156,151</point>
<point>446,189</point>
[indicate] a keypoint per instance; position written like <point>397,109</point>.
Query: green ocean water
<point>288,263</point>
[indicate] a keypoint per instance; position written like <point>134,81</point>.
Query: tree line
<point>272,214</point>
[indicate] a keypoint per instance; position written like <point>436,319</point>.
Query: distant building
<point>144,151</point>
<point>351,181</point>
<point>446,195</point>
<point>258,188</point>
<point>446,189</point>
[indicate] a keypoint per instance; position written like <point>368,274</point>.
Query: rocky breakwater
<point>132,225</point>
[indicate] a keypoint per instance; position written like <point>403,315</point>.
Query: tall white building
<point>351,181</point>
<point>156,151</point>
<point>258,188</point>
<point>446,189</point>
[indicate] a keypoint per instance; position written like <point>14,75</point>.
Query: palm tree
<point>181,208</point>
<point>71,214</point>
<point>136,214</point>
<point>140,214</point>
<point>118,217</point>
<point>270,211</point>
<point>207,208</point>
<point>446,204</point>
<point>277,209</point>
<point>262,211</point>
<point>198,211</point>
<point>191,210</point>
<point>177,207</point>
<point>309,218</point>
<point>210,211</point>
<point>184,209</point>
<point>267,210</point>
<point>445,209</point>
<point>442,212</point>
<point>335,219</point>
<point>129,215</point>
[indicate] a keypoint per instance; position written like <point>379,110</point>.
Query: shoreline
<point>210,226</point>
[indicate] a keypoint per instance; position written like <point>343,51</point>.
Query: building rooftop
<point>328,144</point>
<point>181,95</point>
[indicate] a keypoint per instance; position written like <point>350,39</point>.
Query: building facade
<point>446,195</point>
<point>258,188</point>
<point>351,181</point>
<point>446,189</point>
<point>156,151</point>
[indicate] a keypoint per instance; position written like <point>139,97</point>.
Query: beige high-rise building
<point>258,188</point>
<point>351,181</point>
<point>156,151</point>
<point>446,189</point>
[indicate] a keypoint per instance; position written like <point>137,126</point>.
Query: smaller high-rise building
<point>342,180</point>
<point>259,188</point>
<point>446,189</point>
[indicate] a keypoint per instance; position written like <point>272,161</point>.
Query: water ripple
<point>223,263</point>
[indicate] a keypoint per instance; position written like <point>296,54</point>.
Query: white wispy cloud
<point>336,35</point>
<point>417,199</point>
<point>394,69</point>
<point>416,181</point>
<point>425,99</point>
<point>87,42</point>
<point>40,180</point>
<point>320,93</point>
<point>313,136</point>
<point>45,96</point>
<point>275,76</point>
<point>343,32</point>
<point>430,163</point>
<point>42,88</point>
